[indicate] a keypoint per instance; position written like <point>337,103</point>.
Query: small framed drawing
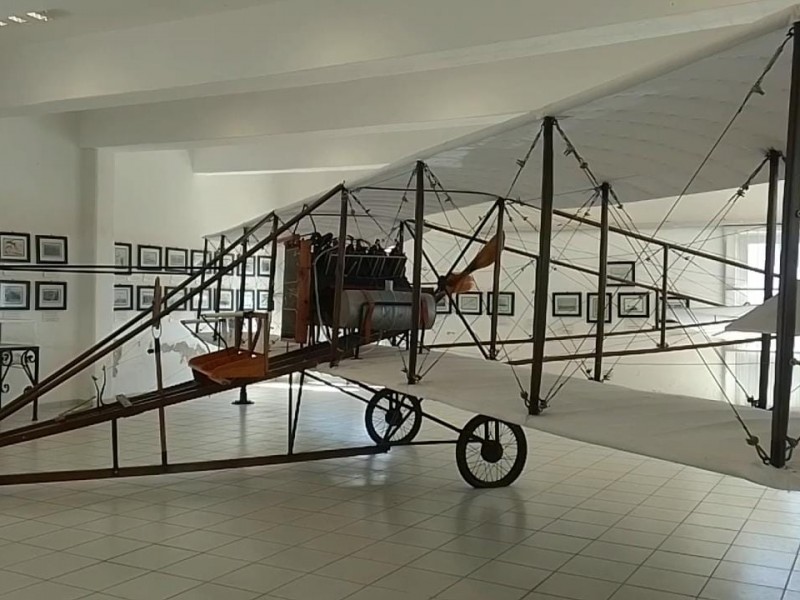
<point>262,300</point>
<point>51,295</point>
<point>145,294</point>
<point>264,264</point>
<point>591,307</point>
<point>567,304</point>
<point>177,259</point>
<point>249,267</point>
<point>226,299</point>
<point>621,269</point>
<point>443,305</point>
<point>633,305</point>
<point>202,301</point>
<point>15,295</point>
<point>122,258</point>
<point>199,258</point>
<point>149,257</point>
<point>51,249</point>
<point>470,303</point>
<point>505,303</point>
<point>177,300</point>
<point>677,302</point>
<point>249,300</point>
<point>15,247</point>
<point>123,297</point>
<point>227,261</point>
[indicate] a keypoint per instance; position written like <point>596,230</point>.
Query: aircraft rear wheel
<point>491,453</point>
<point>393,417</point>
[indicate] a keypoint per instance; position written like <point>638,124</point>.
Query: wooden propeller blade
<point>458,283</point>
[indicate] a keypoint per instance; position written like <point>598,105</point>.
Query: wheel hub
<point>393,417</point>
<point>491,451</point>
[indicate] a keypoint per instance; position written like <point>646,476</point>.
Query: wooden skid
<point>188,467</point>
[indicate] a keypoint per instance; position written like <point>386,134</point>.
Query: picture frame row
<point>630,305</point>
<point>181,260</point>
<point>15,248</point>
<point>473,303</point>
<point>128,297</point>
<point>49,295</point>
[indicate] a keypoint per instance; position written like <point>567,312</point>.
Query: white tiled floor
<point>582,523</point>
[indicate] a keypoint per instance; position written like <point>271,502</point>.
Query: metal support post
<point>769,269</point>
<point>662,309</point>
<point>242,274</point>
<point>273,267</point>
<point>790,236</point>
<point>243,400</point>
<point>341,259</point>
<point>114,447</point>
<point>416,284</point>
<point>602,281</point>
<point>500,237</point>
<point>542,269</point>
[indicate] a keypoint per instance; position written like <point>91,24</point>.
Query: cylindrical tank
<point>391,310</point>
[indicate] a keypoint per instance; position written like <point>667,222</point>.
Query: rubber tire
<point>468,431</point>
<point>372,406</point>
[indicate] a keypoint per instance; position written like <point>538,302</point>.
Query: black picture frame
<point>444,306</point>
<point>249,266</point>
<point>60,241</point>
<point>594,296</point>
<point>181,303</point>
<point>141,296</point>
<point>226,299</point>
<point>198,259</point>
<point>12,283</point>
<point>207,298</point>
<point>264,264</point>
<point>127,290</point>
<point>561,313</point>
<point>624,269</point>
<point>142,250</point>
<point>644,313</point>
<point>249,300</point>
<point>504,310</point>
<point>123,259</point>
<point>182,254</point>
<point>49,304</point>
<point>465,303</point>
<point>10,247</point>
<point>262,299</point>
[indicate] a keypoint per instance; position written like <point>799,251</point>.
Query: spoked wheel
<point>491,453</point>
<point>393,417</point>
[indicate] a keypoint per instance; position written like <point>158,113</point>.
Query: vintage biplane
<point>357,310</point>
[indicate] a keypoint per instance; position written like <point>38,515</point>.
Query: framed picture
<point>621,269</point>
<point>149,257</point>
<point>177,259</point>
<point>15,295</point>
<point>181,304</point>
<point>443,306</point>
<point>262,300</point>
<point>226,299</point>
<point>249,300</point>
<point>677,302</point>
<point>199,258</point>
<point>122,258</point>
<point>145,295</point>
<point>51,295</point>
<point>470,303</point>
<point>505,303</point>
<point>264,264</point>
<point>123,297</point>
<point>591,307</point>
<point>249,267</point>
<point>633,305</point>
<point>51,249</point>
<point>15,247</point>
<point>567,304</point>
<point>227,261</point>
<point>202,301</point>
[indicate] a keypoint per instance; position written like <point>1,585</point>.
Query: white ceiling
<point>294,85</point>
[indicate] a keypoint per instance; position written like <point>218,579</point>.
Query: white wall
<point>41,193</point>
